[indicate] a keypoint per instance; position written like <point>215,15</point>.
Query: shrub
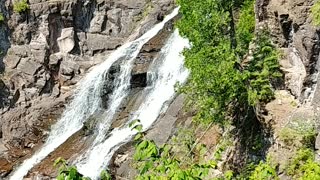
<point>154,162</point>
<point>303,166</point>
<point>66,172</point>
<point>263,69</point>
<point>71,173</point>
<point>264,171</point>
<point>20,6</point>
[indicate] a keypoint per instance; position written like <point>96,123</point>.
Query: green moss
<point>20,6</point>
<point>299,133</point>
<point>1,18</point>
<point>315,13</point>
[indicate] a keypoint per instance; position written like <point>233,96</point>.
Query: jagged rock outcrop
<point>290,24</point>
<point>48,48</point>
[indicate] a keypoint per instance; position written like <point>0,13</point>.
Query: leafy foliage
<point>104,175</point>
<point>20,6</point>
<point>154,162</point>
<point>204,23</point>
<point>264,171</point>
<point>315,12</point>
<point>263,68</point>
<point>66,172</point>
<point>218,81</point>
<point>245,27</point>
<point>71,173</point>
<point>303,166</point>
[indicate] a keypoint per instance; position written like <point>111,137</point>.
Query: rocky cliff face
<point>290,24</point>
<point>292,30</point>
<point>47,49</point>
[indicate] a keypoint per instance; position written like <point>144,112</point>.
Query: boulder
<point>295,71</point>
<point>28,66</point>
<point>66,40</point>
<point>99,43</point>
<point>98,22</point>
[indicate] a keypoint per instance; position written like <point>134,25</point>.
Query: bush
<point>20,6</point>
<point>263,69</point>
<point>303,166</point>
<point>219,86</point>
<point>264,171</point>
<point>154,162</point>
<point>66,172</point>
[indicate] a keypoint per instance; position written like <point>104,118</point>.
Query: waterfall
<point>169,71</point>
<point>87,99</point>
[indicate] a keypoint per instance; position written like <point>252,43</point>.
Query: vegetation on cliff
<point>234,71</point>
<point>315,12</point>
<point>223,74</point>
<point>1,18</point>
<point>66,172</point>
<point>20,6</point>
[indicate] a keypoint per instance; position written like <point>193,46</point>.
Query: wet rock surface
<point>79,142</point>
<point>49,48</point>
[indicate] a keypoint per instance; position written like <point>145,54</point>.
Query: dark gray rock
<point>49,49</point>
<point>99,43</point>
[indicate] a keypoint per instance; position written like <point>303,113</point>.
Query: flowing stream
<point>87,99</point>
<point>169,70</point>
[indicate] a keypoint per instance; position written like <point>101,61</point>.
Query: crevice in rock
<point>312,69</point>
<point>138,80</point>
<point>83,14</point>
<point>253,139</point>
<point>261,9</point>
<point>104,24</point>
<point>4,94</point>
<point>76,49</point>
<point>55,29</point>
<point>286,26</point>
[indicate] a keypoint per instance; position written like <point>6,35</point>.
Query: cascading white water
<point>87,99</point>
<point>169,72</point>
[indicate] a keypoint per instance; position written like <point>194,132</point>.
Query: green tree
<point>219,84</point>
